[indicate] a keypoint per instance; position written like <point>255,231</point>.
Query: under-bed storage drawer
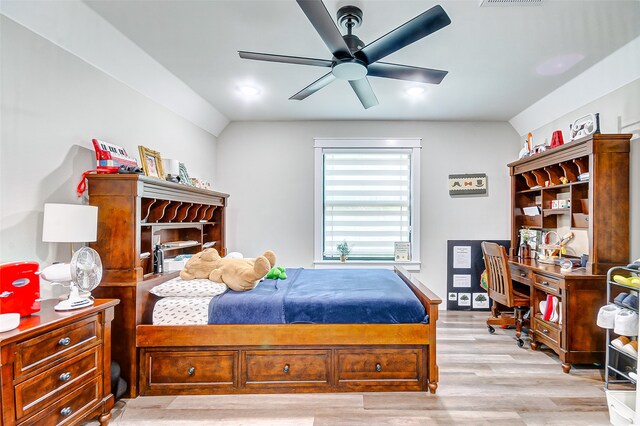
<point>389,367</point>
<point>286,367</point>
<point>187,370</point>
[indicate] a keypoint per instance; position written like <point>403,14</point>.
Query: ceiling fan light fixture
<point>350,69</point>
<point>414,91</point>
<point>248,91</point>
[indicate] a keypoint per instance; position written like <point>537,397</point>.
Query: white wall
<point>619,113</point>
<point>53,104</point>
<point>267,168</point>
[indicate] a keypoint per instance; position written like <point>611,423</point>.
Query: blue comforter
<point>329,296</point>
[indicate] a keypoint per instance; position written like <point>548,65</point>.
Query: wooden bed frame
<point>286,358</point>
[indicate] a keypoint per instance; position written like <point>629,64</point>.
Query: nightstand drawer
<point>70,408</point>
<point>293,368</point>
<point>50,347</point>
<point>49,385</point>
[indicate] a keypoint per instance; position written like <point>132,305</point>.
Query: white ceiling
<point>493,54</point>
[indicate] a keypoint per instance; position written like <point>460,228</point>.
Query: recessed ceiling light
<point>414,91</point>
<point>559,64</point>
<point>248,91</point>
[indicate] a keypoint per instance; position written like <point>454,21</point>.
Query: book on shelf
<point>173,244</point>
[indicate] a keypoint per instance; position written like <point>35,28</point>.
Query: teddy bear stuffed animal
<point>238,274</point>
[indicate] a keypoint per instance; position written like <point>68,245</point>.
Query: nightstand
<point>55,367</point>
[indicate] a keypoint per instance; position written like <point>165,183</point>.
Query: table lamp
<point>69,223</point>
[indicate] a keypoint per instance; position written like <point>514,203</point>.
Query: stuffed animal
<point>278,273</point>
<point>200,265</point>
<point>238,274</point>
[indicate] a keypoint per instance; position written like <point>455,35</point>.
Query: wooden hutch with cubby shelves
<point>582,187</point>
<point>598,204</point>
<point>135,213</point>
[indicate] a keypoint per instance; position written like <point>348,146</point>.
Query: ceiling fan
<point>352,59</point>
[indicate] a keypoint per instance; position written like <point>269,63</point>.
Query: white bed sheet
<point>181,311</point>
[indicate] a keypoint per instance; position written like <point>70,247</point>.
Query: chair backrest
<point>498,273</point>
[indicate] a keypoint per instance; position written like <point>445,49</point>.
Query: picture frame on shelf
<point>183,175</point>
<point>151,162</point>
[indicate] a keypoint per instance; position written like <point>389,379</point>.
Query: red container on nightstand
<point>19,288</point>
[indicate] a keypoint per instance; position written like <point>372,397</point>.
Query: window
<point>367,195</point>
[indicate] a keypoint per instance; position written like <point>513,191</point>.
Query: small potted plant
<point>344,250</point>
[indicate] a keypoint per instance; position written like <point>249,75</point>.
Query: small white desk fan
<point>83,274</point>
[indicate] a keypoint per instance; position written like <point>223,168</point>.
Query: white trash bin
<point>622,407</point>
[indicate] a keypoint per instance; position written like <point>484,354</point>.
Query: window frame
<point>415,144</point>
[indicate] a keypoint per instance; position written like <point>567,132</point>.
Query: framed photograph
<point>183,175</point>
<point>151,162</point>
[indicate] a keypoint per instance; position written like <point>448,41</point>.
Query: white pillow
<point>177,287</point>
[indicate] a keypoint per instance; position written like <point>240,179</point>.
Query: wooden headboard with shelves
<point>134,213</point>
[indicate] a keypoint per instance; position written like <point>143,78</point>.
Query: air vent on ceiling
<point>491,3</point>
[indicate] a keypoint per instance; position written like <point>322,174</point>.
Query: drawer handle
<point>545,283</point>
<point>65,376</point>
<point>286,368</point>
<point>545,331</point>
<point>523,274</point>
<point>65,411</point>
<point>191,371</point>
<point>378,368</point>
<point>65,341</point>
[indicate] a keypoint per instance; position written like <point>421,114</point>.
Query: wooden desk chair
<point>501,290</point>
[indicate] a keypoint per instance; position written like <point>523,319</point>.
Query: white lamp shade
<point>69,223</point>
<point>171,166</point>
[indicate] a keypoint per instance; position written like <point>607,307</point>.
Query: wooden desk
<point>577,339</point>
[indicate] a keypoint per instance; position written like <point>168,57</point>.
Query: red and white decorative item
<point>556,139</point>
<point>19,288</point>
<point>111,156</point>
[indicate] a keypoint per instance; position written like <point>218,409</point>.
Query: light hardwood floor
<point>484,379</point>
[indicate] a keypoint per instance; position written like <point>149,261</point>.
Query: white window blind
<point>367,201</point>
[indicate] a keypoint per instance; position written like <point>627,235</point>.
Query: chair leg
<point>519,314</point>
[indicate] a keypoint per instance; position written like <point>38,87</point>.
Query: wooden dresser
<point>56,366</point>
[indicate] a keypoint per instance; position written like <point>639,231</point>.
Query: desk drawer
<point>547,333</point>
<point>520,274</point>
<point>191,368</point>
<point>293,368</point>
<point>548,284</point>
<point>382,365</point>
<point>50,347</point>
<point>51,384</point>
<point>69,409</point>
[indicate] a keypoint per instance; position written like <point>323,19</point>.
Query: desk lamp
<point>69,223</point>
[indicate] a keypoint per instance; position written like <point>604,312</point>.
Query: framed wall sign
<point>468,184</point>
<point>402,251</point>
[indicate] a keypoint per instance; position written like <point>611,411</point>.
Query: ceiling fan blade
<point>365,92</point>
<point>421,26</point>
<point>314,87</point>
<point>406,72</point>
<point>326,27</point>
<point>285,59</point>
